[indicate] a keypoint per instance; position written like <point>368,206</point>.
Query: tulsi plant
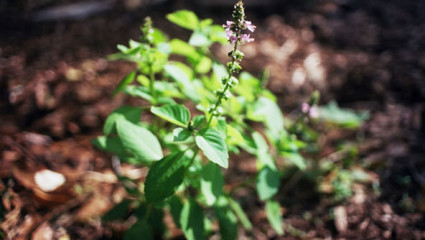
<point>201,111</point>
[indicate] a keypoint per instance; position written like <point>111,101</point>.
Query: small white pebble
<point>48,180</point>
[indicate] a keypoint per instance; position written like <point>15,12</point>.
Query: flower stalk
<point>234,32</point>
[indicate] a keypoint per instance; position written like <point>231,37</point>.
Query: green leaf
<point>174,113</point>
<point>158,36</point>
<point>199,39</point>
<point>197,121</point>
<point>131,114</point>
<point>185,19</point>
<point>139,141</point>
<point>184,81</point>
<point>269,112</point>
<point>234,137</point>
<point>268,181</point>
<point>296,159</point>
<point>204,65</point>
<point>118,212</point>
<point>183,48</point>
<point>140,228</point>
<point>180,134</point>
<point>109,144</point>
<point>213,146</point>
<point>274,215</point>
<point>240,213</point>
<point>217,34</point>
<point>212,182</point>
<point>127,80</point>
<point>165,177</point>
<point>262,152</point>
<point>226,220</point>
<point>176,207</point>
<point>343,117</point>
<point>192,220</point>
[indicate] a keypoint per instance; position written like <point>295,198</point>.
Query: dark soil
<point>56,87</point>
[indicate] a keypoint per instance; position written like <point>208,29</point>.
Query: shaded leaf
<point>164,177</point>
<point>140,228</point>
<point>268,181</point>
<point>192,220</point>
<point>226,219</point>
<point>118,212</point>
<point>126,80</point>
<point>212,182</point>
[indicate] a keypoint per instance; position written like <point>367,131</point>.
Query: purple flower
<point>228,25</point>
<point>310,110</point>
<point>251,27</point>
<point>305,107</point>
<point>313,113</point>
<point>246,38</point>
<point>232,38</point>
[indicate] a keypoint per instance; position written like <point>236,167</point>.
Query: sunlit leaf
<point>131,114</point>
<point>174,113</point>
<point>341,116</point>
<point>274,215</point>
<point>184,18</point>
<point>139,141</point>
<point>213,146</point>
<point>240,213</point>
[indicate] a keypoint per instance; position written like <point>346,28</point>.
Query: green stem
<point>148,212</point>
<point>220,97</point>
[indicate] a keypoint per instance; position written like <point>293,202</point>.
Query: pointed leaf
<point>109,144</point>
<point>236,207</point>
<point>226,219</point>
<point>274,215</point>
<point>184,18</point>
<point>268,181</point>
<point>164,177</point>
<point>139,141</point>
<point>174,113</point>
<point>192,221</point>
<point>118,212</point>
<point>268,111</point>
<point>263,155</point>
<point>296,159</point>
<point>213,146</point>
<point>127,80</point>
<point>130,113</point>
<point>212,182</point>
<point>140,228</point>
<point>179,75</point>
<point>180,134</point>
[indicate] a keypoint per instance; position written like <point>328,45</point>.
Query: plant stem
<point>220,97</point>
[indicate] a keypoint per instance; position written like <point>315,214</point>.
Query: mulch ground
<point>55,88</point>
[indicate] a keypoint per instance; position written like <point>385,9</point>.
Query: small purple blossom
<point>310,110</point>
<point>313,113</point>
<point>305,107</point>
<point>246,38</point>
<point>251,27</point>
